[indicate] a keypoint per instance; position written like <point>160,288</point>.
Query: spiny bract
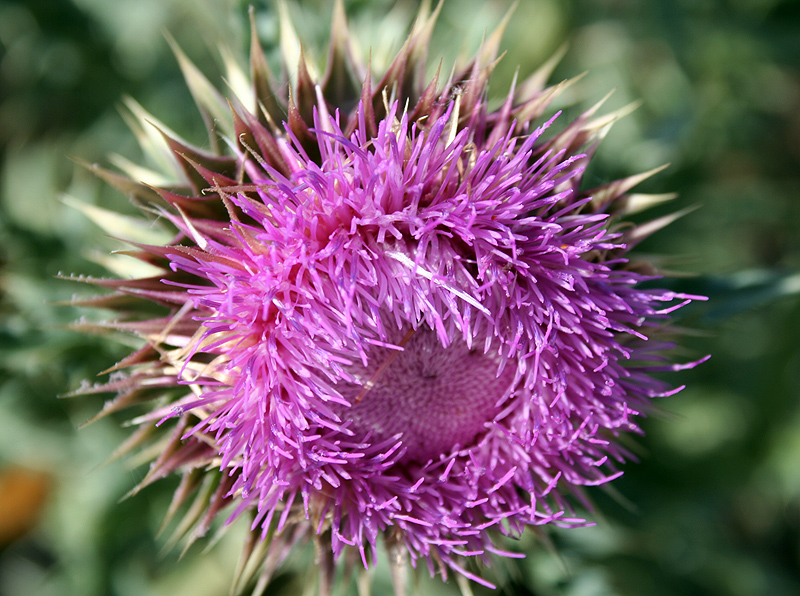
<point>389,311</point>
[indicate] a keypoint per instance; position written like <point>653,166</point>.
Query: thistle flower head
<point>391,312</point>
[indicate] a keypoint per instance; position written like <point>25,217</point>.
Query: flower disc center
<point>437,397</point>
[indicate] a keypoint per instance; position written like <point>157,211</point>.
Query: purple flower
<point>391,312</point>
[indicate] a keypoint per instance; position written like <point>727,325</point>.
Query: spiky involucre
<point>389,311</point>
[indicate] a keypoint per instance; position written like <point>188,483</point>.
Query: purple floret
<point>418,332</point>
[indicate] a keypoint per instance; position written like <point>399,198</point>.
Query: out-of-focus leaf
<point>742,291</point>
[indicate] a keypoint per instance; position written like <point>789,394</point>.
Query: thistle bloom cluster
<point>389,313</point>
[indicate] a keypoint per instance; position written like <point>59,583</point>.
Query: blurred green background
<point>715,501</point>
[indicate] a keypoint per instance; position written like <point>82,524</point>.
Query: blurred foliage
<point>716,498</point>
